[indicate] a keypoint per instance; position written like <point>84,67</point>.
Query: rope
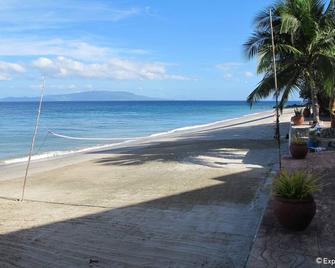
<point>88,139</point>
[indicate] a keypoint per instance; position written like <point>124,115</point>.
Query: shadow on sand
<point>209,227</point>
<point>212,144</point>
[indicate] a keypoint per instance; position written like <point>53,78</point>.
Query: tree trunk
<point>314,99</point>
<point>332,111</point>
<point>315,107</point>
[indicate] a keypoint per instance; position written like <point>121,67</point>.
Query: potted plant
<point>293,201</point>
<point>298,148</point>
<point>298,118</point>
<point>307,111</point>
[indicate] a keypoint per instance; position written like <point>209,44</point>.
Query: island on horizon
<point>102,95</point>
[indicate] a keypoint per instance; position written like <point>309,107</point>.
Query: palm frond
<point>255,43</point>
<point>290,24</point>
<point>304,32</point>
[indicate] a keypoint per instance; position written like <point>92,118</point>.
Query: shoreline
<point>198,192</point>
<point>62,153</point>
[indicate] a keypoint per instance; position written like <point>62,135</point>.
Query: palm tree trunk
<point>314,99</point>
<point>332,110</point>
<point>315,106</point>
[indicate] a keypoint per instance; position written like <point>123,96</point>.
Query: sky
<point>190,49</point>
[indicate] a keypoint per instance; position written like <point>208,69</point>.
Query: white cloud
<point>231,70</point>
<point>227,76</point>
<point>8,68</point>
<point>228,66</point>
<point>4,77</point>
<point>248,74</point>
<point>228,69</point>
<point>48,14</point>
<point>59,47</point>
<point>114,69</point>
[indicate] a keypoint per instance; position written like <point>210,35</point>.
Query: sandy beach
<point>190,198</point>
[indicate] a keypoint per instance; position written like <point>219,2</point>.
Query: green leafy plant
<point>298,140</point>
<point>304,32</point>
<point>298,185</point>
<point>297,112</point>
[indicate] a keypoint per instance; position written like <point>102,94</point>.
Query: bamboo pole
<point>34,138</point>
<point>277,135</point>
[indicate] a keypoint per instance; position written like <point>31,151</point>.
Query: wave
<point>53,154</point>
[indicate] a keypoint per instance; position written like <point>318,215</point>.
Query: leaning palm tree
<point>304,33</point>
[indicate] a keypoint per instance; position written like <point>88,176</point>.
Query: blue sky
<point>190,49</point>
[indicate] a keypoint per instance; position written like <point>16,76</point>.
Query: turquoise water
<point>105,120</point>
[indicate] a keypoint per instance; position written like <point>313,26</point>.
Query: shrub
<point>298,185</point>
<point>298,140</point>
<point>298,112</point>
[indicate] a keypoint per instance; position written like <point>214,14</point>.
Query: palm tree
<point>305,44</point>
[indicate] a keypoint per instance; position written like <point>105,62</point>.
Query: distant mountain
<point>85,96</point>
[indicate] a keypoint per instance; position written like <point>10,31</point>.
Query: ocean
<point>110,119</point>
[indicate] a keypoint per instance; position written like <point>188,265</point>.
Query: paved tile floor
<point>277,247</point>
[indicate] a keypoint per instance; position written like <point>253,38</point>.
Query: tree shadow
<point>216,148</point>
<point>208,227</point>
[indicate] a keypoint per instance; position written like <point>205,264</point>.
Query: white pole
<point>34,137</point>
<point>277,92</point>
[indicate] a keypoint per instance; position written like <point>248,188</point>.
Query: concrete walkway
<point>277,247</point>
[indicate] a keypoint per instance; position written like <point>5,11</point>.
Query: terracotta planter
<point>298,120</point>
<point>294,214</point>
<point>298,151</point>
<point>307,112</point>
